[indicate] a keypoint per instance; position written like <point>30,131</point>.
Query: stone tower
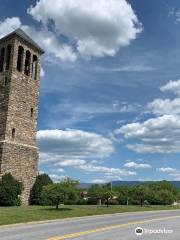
<point>19,93</point>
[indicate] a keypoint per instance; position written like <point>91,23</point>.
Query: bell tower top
<point>21,34</point>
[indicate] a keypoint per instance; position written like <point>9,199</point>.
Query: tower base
<point>21,161</point>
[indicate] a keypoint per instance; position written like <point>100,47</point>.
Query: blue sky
<point>110,89</point>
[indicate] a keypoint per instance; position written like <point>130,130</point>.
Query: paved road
<point>105,227</point>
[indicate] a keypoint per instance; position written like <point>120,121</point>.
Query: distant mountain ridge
<point>132,183</point>
<point>128,183</point>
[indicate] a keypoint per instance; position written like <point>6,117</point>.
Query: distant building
<point>176,203</point>
<point>19,93</point>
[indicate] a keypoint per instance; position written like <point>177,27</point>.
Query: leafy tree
<point>165,197</point>
<point>140,193</point>
<point>102,194</point>
<point>73,192</point>
<point>107,195</point>
<point>124,194</point>
<point>96,192</point>
<point>41,181</point>
<point>178,196</point>
<point>162,193</point>
<point>10,191</point>
<point>56,193</point>
<point>156,193</point>
<point>73,197</point>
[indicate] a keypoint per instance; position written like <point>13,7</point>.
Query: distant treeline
<point>67,191</point>
<point>70,192</point>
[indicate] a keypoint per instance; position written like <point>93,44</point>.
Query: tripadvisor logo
<point>139,231</point>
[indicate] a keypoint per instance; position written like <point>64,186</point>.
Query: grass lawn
<point>9,215</point>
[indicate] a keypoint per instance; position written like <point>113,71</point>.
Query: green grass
<point>10,215</point>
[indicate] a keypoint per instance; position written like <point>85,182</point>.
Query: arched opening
<point>8,57</point>
<point>13,133</point>
<point>27,63</point>
<point>20,58</point>
<point>2,54</point>
<point>34,67</point>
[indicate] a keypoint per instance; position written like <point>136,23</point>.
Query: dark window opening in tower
<point>32,112</point>
<point>13,133</point>
<point>20,58</point>
<point>27,63</point>
<point>8,57</point>
<point>34,67</point>
<point>2,59</point>
<point>5,81</point>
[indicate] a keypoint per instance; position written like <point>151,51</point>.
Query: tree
<point>55,193</point>
<point>101,193</point>
<point>41,181</point>
<point>96,192</point>
<point>166,197</point>
<point>124,194</point>
<point>73,192</point>
<point>107,195</point>
<point>140,193</point>
<point>73,196</point>
<point>10,191</point>
<point>162,193</point>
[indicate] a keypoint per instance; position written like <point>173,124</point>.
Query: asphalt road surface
<point>155,225</point>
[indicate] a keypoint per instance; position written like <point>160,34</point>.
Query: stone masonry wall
<point>21,162</point>
<point>19,155</point>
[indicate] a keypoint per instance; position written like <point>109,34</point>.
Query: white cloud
<point>61,170</point>
<point>54,49</point>
<point>173,86</point>
<point>175,13</point>
<point>156,135</point>
<point>49,42</point>
<point>172,172</point>
<point>167,170</point>
<point>72,29</point>
<point>87,110</point>
<point>99,181</point>
<point>137,165</point>
<point>77,148</point>
<point>165,106</point>
<point>56,177</point>
<point>57,145</point>
<point>176,176</point>
<point>42,72</point>
<point>93,167</point>
<point>8,25</point>
<point>110,173</point>
<point>73,162</point>
<point>130,68</point>
<point>94,28</point>
<point>160,134</point>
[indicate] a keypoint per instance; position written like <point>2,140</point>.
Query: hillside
<point>127,183</point>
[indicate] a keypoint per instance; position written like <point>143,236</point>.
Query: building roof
<point>20,33</point>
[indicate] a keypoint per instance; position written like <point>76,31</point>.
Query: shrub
<point>82,202</point>
<point>35,195</point>
<point>10,191</point>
